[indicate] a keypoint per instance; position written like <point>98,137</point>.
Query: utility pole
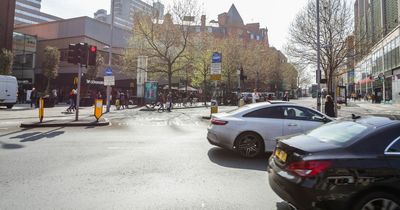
<point>110,54</point>
<point>318,73</point>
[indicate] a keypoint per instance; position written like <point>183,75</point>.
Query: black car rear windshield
<point>338,132</point>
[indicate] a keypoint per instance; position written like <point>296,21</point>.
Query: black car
<point>348,164</point>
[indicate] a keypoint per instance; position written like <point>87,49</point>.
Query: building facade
<point>377,31</point>
<point>60,34</point>
<point>28,12</point>
<point>231,24</point>
<point>124,11</point>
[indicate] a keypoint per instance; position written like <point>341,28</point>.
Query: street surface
<point>143,160</point>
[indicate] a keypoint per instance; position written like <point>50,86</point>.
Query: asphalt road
<point>144,160</point>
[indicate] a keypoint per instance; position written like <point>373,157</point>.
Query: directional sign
<point>216,68</point>
<point>109,80</point>
<point>216,57</point>
<point>108,71</point>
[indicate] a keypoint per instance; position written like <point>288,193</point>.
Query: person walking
<point>169,101</point>
<point>329,106</point>
<point>33,97</point>
<point>72,101</point>
<point>255,96</point>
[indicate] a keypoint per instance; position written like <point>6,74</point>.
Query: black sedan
<point>348,164</point>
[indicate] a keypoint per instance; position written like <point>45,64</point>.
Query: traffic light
<point>84,48</point>
<point>92,55</point>
<point>72,54</point>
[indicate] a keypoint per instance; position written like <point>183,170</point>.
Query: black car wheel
<point>378,200</point>
<point>249,145</point>
<point>9,106</point>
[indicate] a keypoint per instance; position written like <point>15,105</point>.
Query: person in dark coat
<point>329,106</point>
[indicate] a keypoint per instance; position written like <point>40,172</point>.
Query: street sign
<point>215,77</point>
<point>216,57</point>
<point>108,71</point>
<point>109,81</point>
<point>216,68</point>
<point>98,108</point>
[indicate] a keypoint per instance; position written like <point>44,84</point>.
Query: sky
<point>276,15</point>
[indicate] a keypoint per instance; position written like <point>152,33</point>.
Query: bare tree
<point>50,65</point>
<point>165,42</point>
<point>336,24</point>
<point>6,61</point>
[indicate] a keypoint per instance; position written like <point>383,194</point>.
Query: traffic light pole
<point>78,94</point>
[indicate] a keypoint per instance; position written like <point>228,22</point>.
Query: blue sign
<point>108,71</point>
<point>216,57</point>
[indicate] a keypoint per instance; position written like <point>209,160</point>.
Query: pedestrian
<point>255,96</point>
<point>55,96</point>
<point>72,101</point>
<point>329,106</point>
<point>169,101</point>
<point>34,96</point>
<point>286,96</point>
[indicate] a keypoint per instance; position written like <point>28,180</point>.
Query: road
<point>144,160</point>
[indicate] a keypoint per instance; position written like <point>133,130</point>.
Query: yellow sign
<point>75,80</point>
<point>214,109</point>
<point>98,108</point>
<point>41,109</point>
<point>215,77</point>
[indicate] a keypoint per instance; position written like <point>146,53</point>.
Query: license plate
<point>281,155</point>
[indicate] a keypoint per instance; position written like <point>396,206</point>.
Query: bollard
<point>241,102</point>
<point>41,109</point>
<point>98,109</point>
<point>214,106</point>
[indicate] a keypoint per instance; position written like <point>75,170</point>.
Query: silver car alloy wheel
<point>249,145</point>
<point>381,204</point>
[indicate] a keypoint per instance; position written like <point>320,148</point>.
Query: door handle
<point>292,124</point>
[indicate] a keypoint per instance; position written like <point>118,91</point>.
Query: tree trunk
<point>205,89</point>
<point>169,78</point>
<point>48,86</point>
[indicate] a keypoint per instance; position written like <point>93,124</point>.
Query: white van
<point>8,91</point>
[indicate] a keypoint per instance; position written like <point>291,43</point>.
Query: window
<point>299,113</point>
<point>394,147</point>
<point>329,132</point>
<point>270,112</point>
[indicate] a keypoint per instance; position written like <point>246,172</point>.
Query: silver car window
<point>274,112</point>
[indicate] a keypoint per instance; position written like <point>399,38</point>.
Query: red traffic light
<point>93,49</point>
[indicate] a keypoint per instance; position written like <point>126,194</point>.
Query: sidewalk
<point>53,117</point>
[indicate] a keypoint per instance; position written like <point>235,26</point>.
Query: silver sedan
<point>251,130</point>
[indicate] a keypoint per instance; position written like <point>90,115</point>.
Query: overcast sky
<point>274,14</point>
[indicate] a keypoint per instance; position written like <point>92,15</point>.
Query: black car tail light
<point>309,168</point>
<point>218,122</point>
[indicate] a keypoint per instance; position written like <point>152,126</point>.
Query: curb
<point>64,124</point>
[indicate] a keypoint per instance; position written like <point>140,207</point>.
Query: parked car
<point>347,164</point>
<point>8,91</point>
<point>251,130</point>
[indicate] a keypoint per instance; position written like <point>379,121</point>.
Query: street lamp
<point>318,73</point>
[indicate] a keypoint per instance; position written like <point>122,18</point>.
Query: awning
<point>366,80</point>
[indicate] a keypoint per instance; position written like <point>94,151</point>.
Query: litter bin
<point>241,102</point>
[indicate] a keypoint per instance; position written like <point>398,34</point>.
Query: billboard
<point>150,91</point>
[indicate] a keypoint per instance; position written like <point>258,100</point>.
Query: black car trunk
<point>298,147</point>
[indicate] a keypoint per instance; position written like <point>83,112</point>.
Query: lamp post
<point>110,53</point>
<point>318,73</point>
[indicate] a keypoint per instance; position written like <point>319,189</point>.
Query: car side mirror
<point>321,119</point>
